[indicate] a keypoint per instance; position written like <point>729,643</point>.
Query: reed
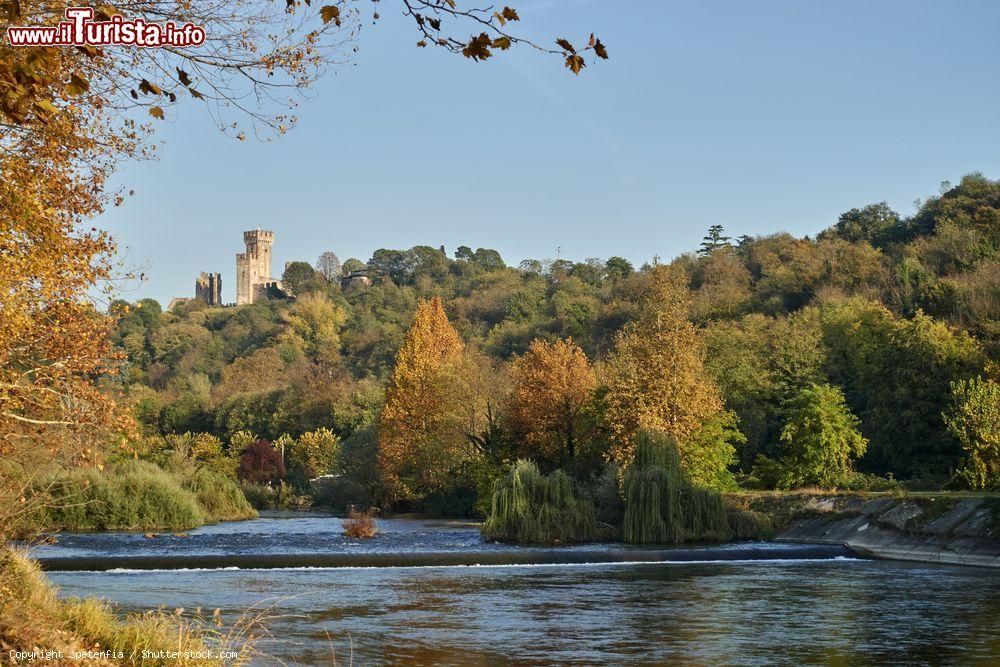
<point>531,508</point>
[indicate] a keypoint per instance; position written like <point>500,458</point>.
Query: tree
<point>352,265</point>
<point>877,224</point>
<point>463,253</point>
<point>489,259</point>
<point>655,377</point>
<point>420,440</point>
<point>552,386</point>
<point>314,453</point>
<point>299,277</point>
<point>617,268</point>
<point>260,463</point>
<point>328,265</point>
<point>974,419</point>
<point>819,441</point>
<point>313,326</point>
<point>714,240</point>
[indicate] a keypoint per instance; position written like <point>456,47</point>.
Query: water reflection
<point>778,612</point>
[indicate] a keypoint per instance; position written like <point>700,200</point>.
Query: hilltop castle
<point>253,267</point>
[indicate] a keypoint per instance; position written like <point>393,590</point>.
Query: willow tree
<point>420,435</point>
<point>655,376</point>
<point>552,385</point>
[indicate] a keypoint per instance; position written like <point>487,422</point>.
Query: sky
<point>760,116</point>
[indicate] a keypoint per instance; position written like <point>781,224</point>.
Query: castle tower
<point>208,288</point>
<point>253,267</point>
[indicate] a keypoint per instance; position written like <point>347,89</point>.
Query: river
<point>743,604</point>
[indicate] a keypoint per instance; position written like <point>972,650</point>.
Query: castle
<point>253,267</point>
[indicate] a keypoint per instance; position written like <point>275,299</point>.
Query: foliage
<point>261,463</point>
<point>531,508</point>
<point>419,439</point>
<point>661,506</point>
<point>313,454</point>
<point>552,385</point>
<point>974,419</point>
<point>135,495</point>
<point>819,441</point>
<point>710,452</point>
<point>655,377</point>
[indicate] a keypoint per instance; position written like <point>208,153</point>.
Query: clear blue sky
<point>760,116</point>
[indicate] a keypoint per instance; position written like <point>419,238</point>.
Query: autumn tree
<point>552,386</point>
<point>420,439</point>
<point>655,377</point>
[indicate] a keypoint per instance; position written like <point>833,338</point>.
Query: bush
<point>531,508</point>
<point>128,496</point>
<point>138,495</point>
<point>661,505</point>
<point>360,524</point>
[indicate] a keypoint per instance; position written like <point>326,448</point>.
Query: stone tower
<point>253,267</point>
<point>208,288</point>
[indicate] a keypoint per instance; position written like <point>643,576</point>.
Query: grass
<point>531,508</point>
<point>136,495</point>
<point>33,618</point>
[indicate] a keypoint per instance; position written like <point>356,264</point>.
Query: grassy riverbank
<point>88,632</point>
<point>135,495</point>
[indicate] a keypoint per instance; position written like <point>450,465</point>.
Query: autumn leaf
<point>575,63</point>
<point>330,13</point>
<point>600,50</point>
<point>435,23</point>
<point>150,88</point>
<point>156,112</point>
<point>77,85</point>
<point>509,14</point>
<point>451,3</point>
<point>45,108</point>
<point>566,46</point>
<point>502,43</point>
<point>422,43</point>
<point>478,48</point>
<point>183,77</point>
<point>195,94</point>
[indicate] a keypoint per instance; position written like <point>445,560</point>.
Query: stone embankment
<point>937,529</point>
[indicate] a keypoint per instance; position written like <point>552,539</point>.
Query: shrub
<point>127,496</point>
<point>360,524</point>
<point>661,505</point>
<point>531,508</point>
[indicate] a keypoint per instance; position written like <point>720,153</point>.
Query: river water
<point>742,604</point>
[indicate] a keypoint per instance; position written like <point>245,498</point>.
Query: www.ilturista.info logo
<point>80,29</point>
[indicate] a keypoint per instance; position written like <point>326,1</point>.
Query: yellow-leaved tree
<point>655,377</point>
<point>420,432</point>
<point>552,384</point>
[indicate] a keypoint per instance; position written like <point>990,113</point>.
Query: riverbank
<point>953,528</point>
<point>36,625</point>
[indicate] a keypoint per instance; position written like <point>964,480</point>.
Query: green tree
<point>714,240</point>
<point>300,277</point>
<point>820,440</point>
<point>974,419</point>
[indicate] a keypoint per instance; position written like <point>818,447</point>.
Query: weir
<point>440,559</point>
